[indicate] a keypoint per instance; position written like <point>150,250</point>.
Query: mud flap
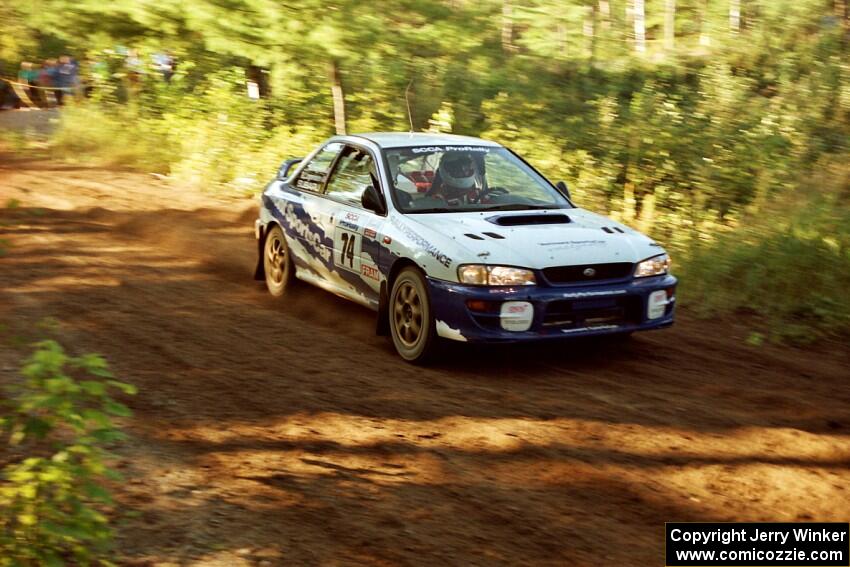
<point>259,271</point>
<point>382,324</point>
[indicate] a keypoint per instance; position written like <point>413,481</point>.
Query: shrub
<point>57,428</point>
<point>788,262</point>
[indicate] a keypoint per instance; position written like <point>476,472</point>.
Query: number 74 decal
<point>347,247</point>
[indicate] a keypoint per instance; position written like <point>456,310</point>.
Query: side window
<point>314,173</point>
<point>354,172</point>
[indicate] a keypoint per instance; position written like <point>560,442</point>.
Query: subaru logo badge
<point>589,272</point>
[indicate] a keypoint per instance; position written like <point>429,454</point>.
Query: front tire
<point>411,320</point>
<point>277,263</point>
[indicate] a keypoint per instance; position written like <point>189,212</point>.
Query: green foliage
<point>789,263</point>
<point>209,136</point>
<point>58,427</point>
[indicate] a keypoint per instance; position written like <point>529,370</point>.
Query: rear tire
<point>277,262</point>
<point>411,320</point>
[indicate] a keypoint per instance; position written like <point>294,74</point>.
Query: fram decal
<point>370,272</point>
<point>370,233</point>
<point>422,243</point>
<point>304,231</point>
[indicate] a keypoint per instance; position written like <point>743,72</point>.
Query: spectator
<point>164,63</point>
<point>66,78</point>
<point>135,69</point>
<point>29,76</point>
<point>47,78</point>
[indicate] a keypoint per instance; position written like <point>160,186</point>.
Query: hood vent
<point>473,236</point>
<point>494,235</point>
<point>612,229</point>
<point>522,220</point>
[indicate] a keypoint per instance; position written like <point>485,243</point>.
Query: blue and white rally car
<point>456,238</point>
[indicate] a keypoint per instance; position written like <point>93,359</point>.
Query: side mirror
<point>372,201</point>
<point>565,191</point>
<point>285,167</point>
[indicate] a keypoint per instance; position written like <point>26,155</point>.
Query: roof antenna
<point>407,100</point>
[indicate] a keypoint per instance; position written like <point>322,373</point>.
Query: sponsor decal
<point>370,272</point>
<point>308,185</point>
<point>422,242</point>
<point>430,149</point>
<point>303,229</point>
<point>370,232</point>
<point>573,243</point>
<point>353,217</point>
<point>593,293</point>
<point>348,225</point>
<point>594,328</point>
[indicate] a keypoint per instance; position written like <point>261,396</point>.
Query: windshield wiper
<point>521,207</point>
<point>432,210</point>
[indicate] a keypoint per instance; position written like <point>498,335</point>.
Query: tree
<point>735,15</point>
<point>669,24</point>
<point>640,26</point>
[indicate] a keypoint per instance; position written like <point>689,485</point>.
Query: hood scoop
<point>529,219</point>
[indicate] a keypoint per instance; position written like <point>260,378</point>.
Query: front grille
<point>576,274</point>
<point>592,312</point>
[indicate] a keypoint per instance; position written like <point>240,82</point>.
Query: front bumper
<point>556,311</point>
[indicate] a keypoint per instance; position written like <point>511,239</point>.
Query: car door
<point>297,205</point>
<point>355,249</point>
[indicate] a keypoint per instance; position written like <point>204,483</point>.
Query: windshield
<point>436,179</point>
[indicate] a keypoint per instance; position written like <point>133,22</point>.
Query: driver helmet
<point>457,170</point>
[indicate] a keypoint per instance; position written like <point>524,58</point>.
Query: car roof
<point>410,139</point>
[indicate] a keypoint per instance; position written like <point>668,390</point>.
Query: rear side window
<point>314,174</point>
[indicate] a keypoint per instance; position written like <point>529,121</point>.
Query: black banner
<point>758,544</point>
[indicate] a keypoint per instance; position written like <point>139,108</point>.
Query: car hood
<point>582,238</point>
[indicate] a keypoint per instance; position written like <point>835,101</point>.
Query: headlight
<point>480,274</point>
<point>655,266</point>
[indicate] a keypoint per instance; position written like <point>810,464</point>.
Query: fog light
<point>516,315</point>
<point>656,305</point>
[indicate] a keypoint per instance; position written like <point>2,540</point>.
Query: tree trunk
<point>561,30</point>
<point>605,14</point>
<point>507,26</point>
<point>842,11</point>
<point>704,38</point>
<point>338,98</point>
<point>640,26</point>
<point>590,31</point>
<point>735,15</point>
<point>669,24</point>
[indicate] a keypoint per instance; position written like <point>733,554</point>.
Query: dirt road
<point>289,434</point>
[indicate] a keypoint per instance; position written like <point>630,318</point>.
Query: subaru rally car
<point>458,238</point>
